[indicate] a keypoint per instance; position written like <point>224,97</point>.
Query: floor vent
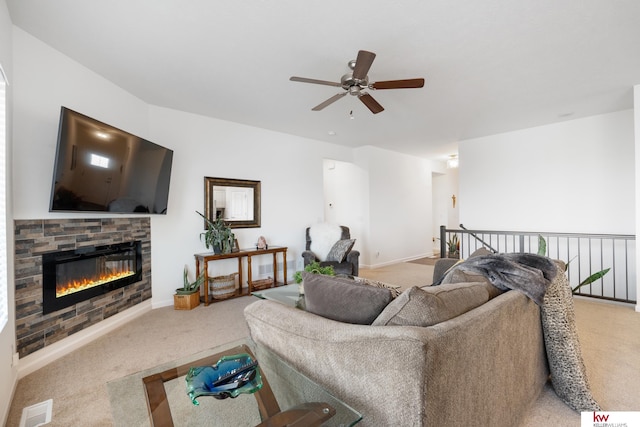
<point>37,415</point>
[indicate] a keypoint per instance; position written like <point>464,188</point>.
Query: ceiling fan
<point>355,82</point>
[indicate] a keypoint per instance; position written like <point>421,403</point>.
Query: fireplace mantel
<point>35,330</point>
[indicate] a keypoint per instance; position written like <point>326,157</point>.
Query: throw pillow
<point>340,250</point>
<point>395,290</point>
<point>323,236</point>
<point>343,299</point>
<point>459,276</point>
<point>568,372</point>
<point>480,252</point>
<point>431,305</point>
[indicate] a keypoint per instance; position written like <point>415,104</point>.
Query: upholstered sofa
<point>484,367</point>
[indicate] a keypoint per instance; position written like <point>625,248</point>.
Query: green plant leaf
<point>192,286</point>
<point>314,268</point>
<point>566,265</point>
<point>595,276</point>
<point>542,246</point>
<point>209,223</point>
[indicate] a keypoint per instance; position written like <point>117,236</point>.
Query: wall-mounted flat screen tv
<point>104,169</point>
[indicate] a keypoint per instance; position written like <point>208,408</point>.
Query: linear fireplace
<point>69,277</point>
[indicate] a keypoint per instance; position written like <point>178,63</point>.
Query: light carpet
<point>404,274</point>
<point>78,382</point>
<point>425,260</point>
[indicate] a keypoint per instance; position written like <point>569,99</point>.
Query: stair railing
<point>584,254</point>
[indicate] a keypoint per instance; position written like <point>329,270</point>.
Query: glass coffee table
<point>287,294</point>
<point>287,397</point>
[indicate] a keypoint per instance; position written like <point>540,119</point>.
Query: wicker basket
<point>261,284</point>
<point>223,287</point>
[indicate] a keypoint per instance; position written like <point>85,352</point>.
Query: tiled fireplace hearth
<point>34,238</point>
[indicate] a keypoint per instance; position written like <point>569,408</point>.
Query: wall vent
<point>267,269</point>
<point>37,415</point>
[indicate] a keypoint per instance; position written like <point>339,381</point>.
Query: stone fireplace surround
<point>35,331</point>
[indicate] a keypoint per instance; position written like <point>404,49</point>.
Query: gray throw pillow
<point>343,299</point>
<point>431,305</point>
<point>459,276</point>
<point>340,250</point>
<point>482,251</point>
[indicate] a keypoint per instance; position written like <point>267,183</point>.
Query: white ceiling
<point>490,66</point>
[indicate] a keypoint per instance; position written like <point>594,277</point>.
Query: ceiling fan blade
<point>398,84</point>
<point>371,103</point>
<point>318,82</point>
<point>363,63</point>
<point>329,101</point>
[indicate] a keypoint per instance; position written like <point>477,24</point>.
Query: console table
<point>203,259</point>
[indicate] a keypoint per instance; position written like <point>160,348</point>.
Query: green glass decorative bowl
<point>229,377</point>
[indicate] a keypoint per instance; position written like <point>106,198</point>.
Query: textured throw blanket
<point>539,278</point>
<point>528,273</point>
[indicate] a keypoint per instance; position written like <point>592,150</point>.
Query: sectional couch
<point>478,359</point>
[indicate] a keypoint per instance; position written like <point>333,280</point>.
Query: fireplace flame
<point>80,285</point>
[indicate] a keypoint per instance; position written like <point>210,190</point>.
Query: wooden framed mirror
<point>237,201</point>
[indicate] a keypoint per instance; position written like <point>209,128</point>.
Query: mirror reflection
<point>237,201</point>
<point>233,203</point>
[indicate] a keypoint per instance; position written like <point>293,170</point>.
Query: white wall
<point>574,176</point>
<point>445,186</point>
<point>44,81</point>
<point>8,372</point>
<point>291,175</point>
<point>346,202</point>
<point>636,121</point>
<point>400,214</point>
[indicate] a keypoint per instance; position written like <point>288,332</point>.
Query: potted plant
<point>218,235</point>
<point>453,246</point>
<point>313,268</point>
<point>188,296</point>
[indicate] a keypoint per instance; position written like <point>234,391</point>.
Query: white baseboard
<point>6,406</point>
<point>161,303</point>
<point>395,261</point>
<point>43,357</point>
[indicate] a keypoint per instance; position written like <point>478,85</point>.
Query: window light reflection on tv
<point>100,161</point>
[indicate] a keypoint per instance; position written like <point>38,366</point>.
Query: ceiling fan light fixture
<point>354,90</point>
<point>355,82</point>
